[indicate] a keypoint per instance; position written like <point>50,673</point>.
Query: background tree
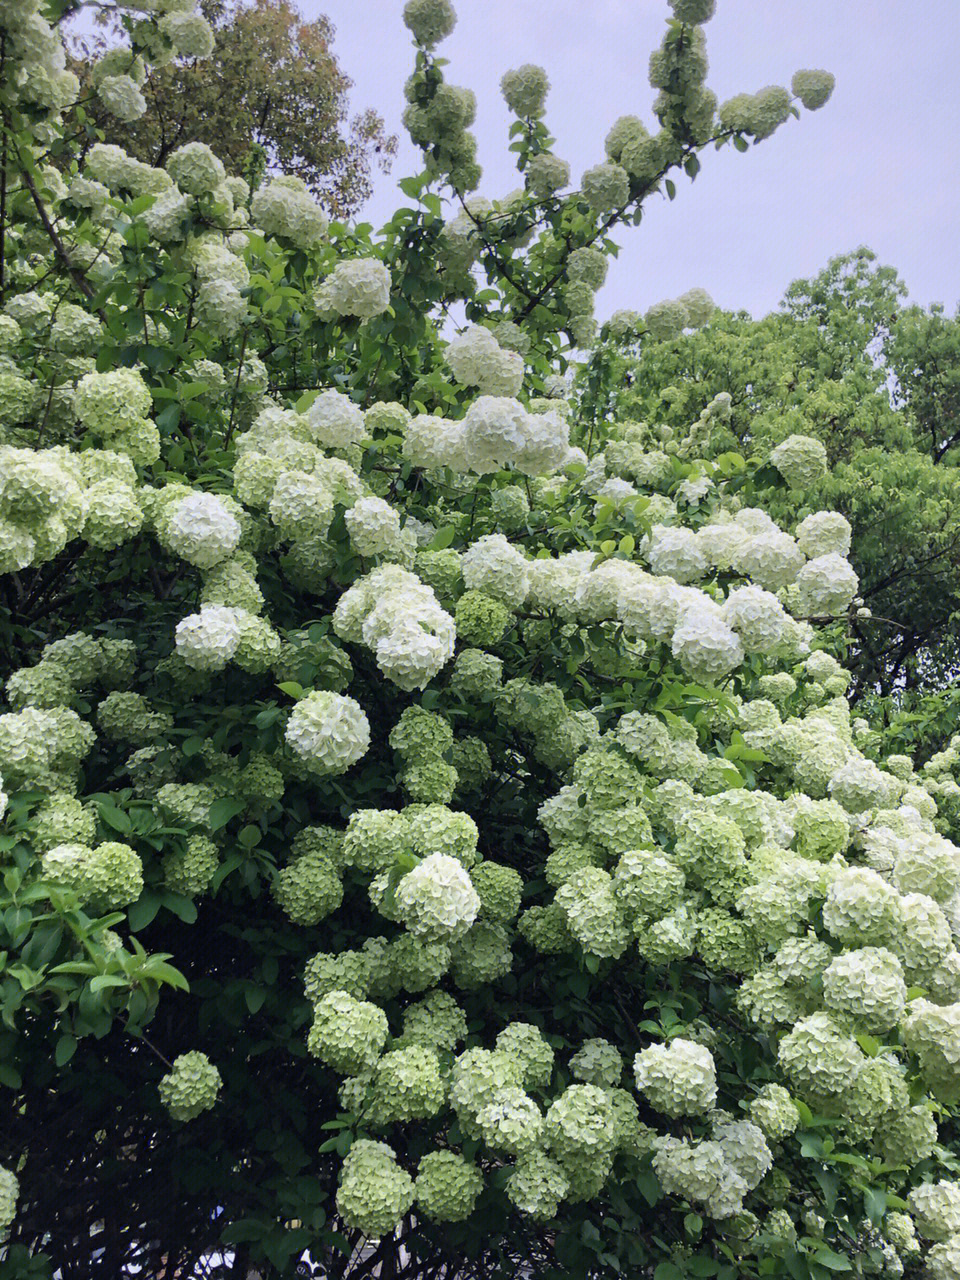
<point>879,384</point>
<point>273,81</point>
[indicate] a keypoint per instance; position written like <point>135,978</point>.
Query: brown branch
<point>79,279</point>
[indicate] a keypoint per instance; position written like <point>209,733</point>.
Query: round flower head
<point>536,1185</point>
<point>546,174</point>
<point>374,1192</point>
<point>430,20</point>
<point>109,402</point>
<point>678,1078</point>
<point>666,320</point>
<point>693,12</point>
<point>347,1034</point>
<point>813,88</point>
<point>436,900</point>
<point>407,1085</point>
<point>826,586</point>
<point>334,420</point>
<point>358,287</point>
<point>866,985</point>
<point>820,1057</point>
<point>373,525</point>
<point>525,1043</point>
<point>511,1122</point>
<point>195,169</point>
<point>597,1062</point>
<point>328,731</point>
<point>499,889</point>
<point>447,1186</point>
<point>525,90</point>
<point>478,1076</point>
<point>775,1112</point>
<point>861,908</point>
<point>605,187</point>
<point>208,640</point>
<point>824,533</point>
<point>309,889</point>
<point>936,1209</point>
<point>801,460</point>
<point>201,529</point>
<point>580,1126</point>
<point>191,1086</point>
<point>9,1194</point>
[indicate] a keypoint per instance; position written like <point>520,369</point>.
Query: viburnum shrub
<point>436,838</point>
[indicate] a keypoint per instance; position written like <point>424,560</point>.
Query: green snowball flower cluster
<point>374,1192</point>
<point>191,1087</point>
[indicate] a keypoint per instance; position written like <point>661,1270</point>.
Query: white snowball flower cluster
<point>867,985</point>
<point>284,207</point>
<point>399,618</point>
<point>328,731</point>
<point>492,565</point>
<point>826,585</point>
<point>673,552</point>
<point>499,432</point>
<point>209,639</point>
<point>706,646</point>
<point>358,287</point>
<point>201,529</point>
<point>436,900</point>
<point>758,618</point>
<point>476,359</point>
<point>335,422</point>
<point>679,1078</point>
<point>824,533</point>
<point>374,526</point>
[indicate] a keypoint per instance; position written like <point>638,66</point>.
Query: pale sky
<point>878,165</point>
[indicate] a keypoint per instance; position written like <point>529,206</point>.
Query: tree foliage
<point>846,361</point>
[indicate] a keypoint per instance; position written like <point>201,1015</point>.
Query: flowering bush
<point>395,759</point>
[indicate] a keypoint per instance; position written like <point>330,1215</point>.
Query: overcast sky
<point>879,165</point>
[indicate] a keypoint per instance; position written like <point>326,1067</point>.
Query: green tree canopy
<point>847,362</point>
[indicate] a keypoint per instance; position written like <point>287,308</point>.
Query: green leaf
<point>254,997</point>
<point>183,907</point>
<point>115,817</point>
<point>104,980</point>
<point>442,538</point>
<point>143,910</point>
<point>66,1048</point>
<point>875,1204</point>
<point>10,1076</point>
<point>291,688</point>
<point>244,1231</point>
<point>250,836</point>
<point>222,810</point>
<point>870,1046</point>
<point>667,1271</point>
<point>831,1260</point>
